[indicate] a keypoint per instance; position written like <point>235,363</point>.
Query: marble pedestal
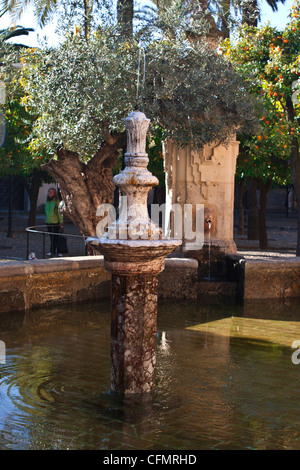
<point>133,333</point>
<point>134,266</point>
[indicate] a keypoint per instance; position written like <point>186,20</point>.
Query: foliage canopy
<point>269,60</point>
<point>82,90</point>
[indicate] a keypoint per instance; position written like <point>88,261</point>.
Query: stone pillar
<point>135,266</point>
<point>205,177</point>
<point>133,333</point>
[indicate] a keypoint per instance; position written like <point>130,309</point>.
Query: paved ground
<point>282,233</point>
<point>16,248</point>
<point>282,237</point>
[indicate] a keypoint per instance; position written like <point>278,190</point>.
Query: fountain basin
<point>55,384</point>
<point>134,256</point>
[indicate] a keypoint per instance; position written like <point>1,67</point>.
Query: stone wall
<point>178,281</point>
<point>31,284</point>
<point>205,177</point>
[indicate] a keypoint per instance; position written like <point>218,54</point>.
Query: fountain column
<point>133,333</point>
<point>134,252</point>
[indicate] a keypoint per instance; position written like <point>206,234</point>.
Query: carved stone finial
<point>135,182</point>
<point>136,128</point>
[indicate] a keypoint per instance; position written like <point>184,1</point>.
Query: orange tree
<point>263,159</point>
<point>269,60</point>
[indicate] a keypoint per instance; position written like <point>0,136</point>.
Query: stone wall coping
<point>52,265</point>
<point>181,263</point>
<point>55,265</point>
<point>288,263</point>
<point>293,261</point>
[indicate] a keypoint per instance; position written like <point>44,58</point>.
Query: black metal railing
<point>42,230</point>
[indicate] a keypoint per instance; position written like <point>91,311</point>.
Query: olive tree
<point>83,90</point>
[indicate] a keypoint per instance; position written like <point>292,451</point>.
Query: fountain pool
<point>226,383</point>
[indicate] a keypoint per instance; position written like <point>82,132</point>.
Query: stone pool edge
<point>35,283</point>
<point>264,279</point>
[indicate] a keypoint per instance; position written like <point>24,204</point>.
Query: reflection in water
<point>213,390</point>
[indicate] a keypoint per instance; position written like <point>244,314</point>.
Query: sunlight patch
<point>282,333</point>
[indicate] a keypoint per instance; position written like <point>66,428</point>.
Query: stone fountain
<point>134,251</point>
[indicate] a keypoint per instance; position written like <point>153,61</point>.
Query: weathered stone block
<point>30,284</point>
<point>178,281</point>
<point>260,279</point>
<point>217,289</point>
<point>12,294</point>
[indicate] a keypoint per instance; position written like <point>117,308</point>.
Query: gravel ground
<point>15,248</point>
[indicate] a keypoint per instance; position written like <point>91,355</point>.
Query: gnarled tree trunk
<point>263,199</point>
<point>32,186</point>
<point>241,189</point>
<point>253,222</point>
<point>85,186</point>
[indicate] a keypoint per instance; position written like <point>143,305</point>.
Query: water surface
<point>215,389</point>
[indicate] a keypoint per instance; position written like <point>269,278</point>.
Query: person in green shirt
<point>54,221</point>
